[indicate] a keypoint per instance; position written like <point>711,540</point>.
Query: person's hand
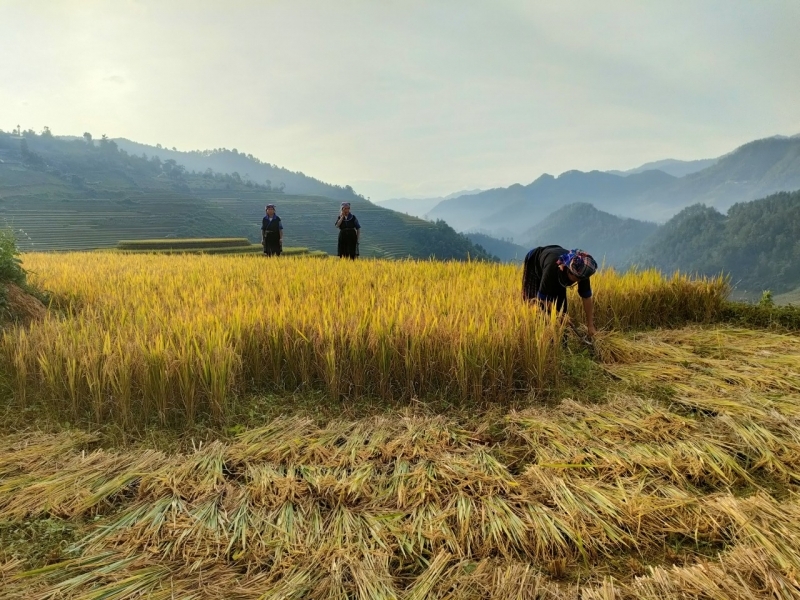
<point>592,331</point>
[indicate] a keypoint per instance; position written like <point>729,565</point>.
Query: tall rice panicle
<point>170,338</point>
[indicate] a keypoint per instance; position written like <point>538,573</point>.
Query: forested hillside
<point>757,243</point>
<point>59,194</point>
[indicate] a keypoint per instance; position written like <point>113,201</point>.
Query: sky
<point>405,97</point>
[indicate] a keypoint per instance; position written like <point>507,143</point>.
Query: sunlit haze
<point>409,98</point>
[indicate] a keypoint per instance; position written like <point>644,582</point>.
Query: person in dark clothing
<point>549,270</point>
<point>349,233</point>
<point>272,232</point>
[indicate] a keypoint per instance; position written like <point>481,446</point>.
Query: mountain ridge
<point>222,160</point>
<point>753,170</point>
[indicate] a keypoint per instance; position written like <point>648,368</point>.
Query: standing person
<point>349,233</point>
<point>549,270</point>
<point>272,232</point>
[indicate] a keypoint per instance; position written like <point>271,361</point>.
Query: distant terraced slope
<point>309,221</point>
<point>76,195</point>
<point>87,223</point>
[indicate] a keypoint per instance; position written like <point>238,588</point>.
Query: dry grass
<point>682,484</point>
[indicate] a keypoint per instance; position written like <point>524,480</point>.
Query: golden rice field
<point>681,482</point>
<point>170,339</point>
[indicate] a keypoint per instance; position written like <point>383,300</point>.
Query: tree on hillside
<point>88,137</point>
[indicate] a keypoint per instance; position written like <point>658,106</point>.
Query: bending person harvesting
<point>549,270</point>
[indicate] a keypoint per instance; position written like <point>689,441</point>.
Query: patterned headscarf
<point>272,206</point>
<point>345,204</point>
<point>580,264</point>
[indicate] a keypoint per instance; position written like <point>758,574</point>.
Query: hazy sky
<point>407,97</point>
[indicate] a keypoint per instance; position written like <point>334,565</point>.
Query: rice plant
<point>172,338</point>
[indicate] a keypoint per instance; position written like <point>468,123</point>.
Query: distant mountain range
<point>419,207</point>
<point>752,171</point>
<point>756,243</point>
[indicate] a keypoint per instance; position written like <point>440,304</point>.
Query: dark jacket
<point>543,280</point>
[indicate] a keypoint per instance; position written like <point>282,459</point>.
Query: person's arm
<point>358,228</point>
<point>585,292</point>
<point>338,221</point>
<point>280,229</point>
<point>588,308</point>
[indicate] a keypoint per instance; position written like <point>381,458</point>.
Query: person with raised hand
<point>349,233</point>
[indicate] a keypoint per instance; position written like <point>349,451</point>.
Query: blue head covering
<point>580,263</point>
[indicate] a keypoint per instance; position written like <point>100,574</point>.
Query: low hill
<point>792,297</point>
<point>77,194</point>
<point>505,250</point>
<point>608,238</point>
<point>420,207</point>
<point>752,171</point>
<point>756,243</point>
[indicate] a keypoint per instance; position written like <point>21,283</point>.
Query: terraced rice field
<point>89,223</point>
<point>317,215</point>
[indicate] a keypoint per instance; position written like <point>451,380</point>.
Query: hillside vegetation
<point>757,243</point>
<point>82,194</point>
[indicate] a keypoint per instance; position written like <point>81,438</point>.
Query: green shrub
<point>764,314</point>
<point>11,270</point>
